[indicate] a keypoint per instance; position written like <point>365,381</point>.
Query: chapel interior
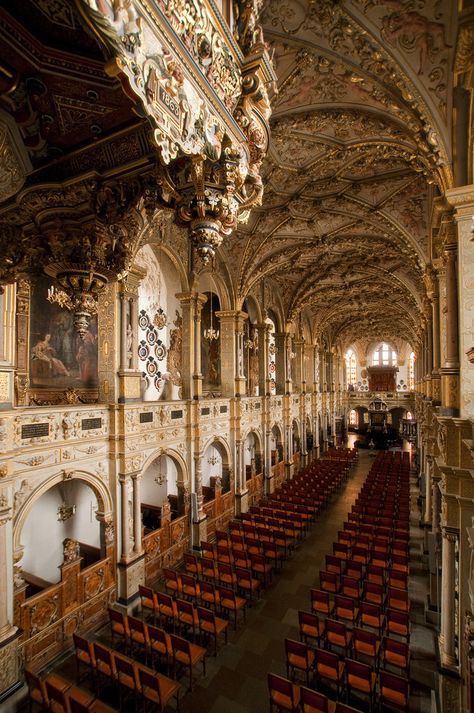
<point>237,356</point>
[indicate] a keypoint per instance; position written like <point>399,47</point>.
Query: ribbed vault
<point>359,149</point>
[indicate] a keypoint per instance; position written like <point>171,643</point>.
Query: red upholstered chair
<point>350,587</point>
<point>371,615</point>
<point>321,603</point>
<point>361,678</point>
<point>374,593</point>
<point>299,657</point>
<point>314,702</point>
<point>311,627</point>
<point>398,599</point>
<point>345,608</point>
<point>212,625</point>
<point>84,655</point>
<point>157,689</point>
<point>394,690</point>
<point>398,623</point>
<point>396,653</point>
<point>148,601</point>
<point>367,644</point>
<point>284,695</point>
<point>186,654</point>
<point>328,582</point>
<point>330,668</point>
<point>338,635</point>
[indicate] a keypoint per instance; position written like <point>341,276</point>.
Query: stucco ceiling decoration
<point>359,140</point>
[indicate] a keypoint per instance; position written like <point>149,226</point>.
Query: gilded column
<point>137,515</point>
<point>446,639</point>
<point>125,518</point>
<point>450,371</point>
<point>428,489</point>
<point>9,633</point>
<point>263,331</point>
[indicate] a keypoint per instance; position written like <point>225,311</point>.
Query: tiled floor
<point>235,681</point>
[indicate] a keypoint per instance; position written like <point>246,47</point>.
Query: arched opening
<point>309,435</point>
<point>351,369</point>
<point>252,455</point>
<point>251,347</point>
<point>215,470</point>
<point>296,440</point>
<point>211,344</point>
<point>276,445</point>
<point>62,517</point>
<point>160,486</point>
<point>160,327</point>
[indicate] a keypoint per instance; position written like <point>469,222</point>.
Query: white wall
<point>42,535</point>
<point>151,492</point>
<point>208,469</point>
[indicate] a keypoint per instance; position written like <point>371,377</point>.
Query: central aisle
<point>236,682</point>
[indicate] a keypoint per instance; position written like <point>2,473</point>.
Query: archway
<point>161,481</point>
<point>296,440</point>
<point>215,469</point>
<point>252,455</point>
<point>276,444</point>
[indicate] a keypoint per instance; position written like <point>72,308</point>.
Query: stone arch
<point>104,500</point>
<point>174,454</point>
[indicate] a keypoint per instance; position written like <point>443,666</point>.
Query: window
<point>353,418</point>
<point>411,372</point>
<point>384,355</point>
<point>351,367</point>
<point>409,416</point>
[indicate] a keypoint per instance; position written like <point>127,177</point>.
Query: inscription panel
<point>34,430</point>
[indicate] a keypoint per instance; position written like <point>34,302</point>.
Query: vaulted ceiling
<point>360,146</point>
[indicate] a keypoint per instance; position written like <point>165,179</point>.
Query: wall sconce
<point>65,512</point>
<point>160,478</point>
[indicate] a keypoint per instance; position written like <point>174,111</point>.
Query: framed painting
<point>59,358</point>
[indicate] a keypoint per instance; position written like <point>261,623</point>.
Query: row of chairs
<point>56,694</point>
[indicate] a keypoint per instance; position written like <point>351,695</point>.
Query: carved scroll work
<point>220,124</point>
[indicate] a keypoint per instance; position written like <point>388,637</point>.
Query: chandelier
<point>210,333</point>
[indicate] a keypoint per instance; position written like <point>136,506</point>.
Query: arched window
<point>409,416</point>
<point>353,417</point>
<point>384,355</point>
<point>351,367</point>
<point>411,372</point>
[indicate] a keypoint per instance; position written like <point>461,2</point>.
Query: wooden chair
<point>208,595</point>
<point>345,608</point>
<point>374,593</point>
<point>127,678</point>
<point>321,603</point>
<point>190,586</point>
<point>104,664</point>
<point>208,549</point>
<point>314,702</point>
<point>37,690</point>
<point>311,627</point>
<point>138,632</point>
<point>192,564</point>
<point>187,617</point>
<point>260,566</point>
<point>350,587</point>
<point>394,690</point>
<point>160,645</point>
<point>398,623</point>
<point>241,559</point>
<point>398,599</point>
<point>231,603</point>
<point>186,654</point>
<point>148,601</point>
<point>396,653</point>
<point>211,625</point>
<point>371,615</point>
<point>226,575</point>
<point>56,688</point>
<point>338,635</point>
<point>361,678</point>
<point>208,568</point>
<point>172,581</point>
<point>328,582</point>
<point>329,668</point>
<point>365,643</point>
<point>84,655</point>
<point>118,627</point>
<point>299,657</point>
<point>157,690</point>
<point>80,704</point>
<point>284,695</point>
<point>166,608</point>
<point>344,708</point>
<point>246,583</point>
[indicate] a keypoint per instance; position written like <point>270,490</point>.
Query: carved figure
<point>71,550</point>
<point>43,351</point>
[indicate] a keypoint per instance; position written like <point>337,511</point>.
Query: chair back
<point>56,694</point>
<point>313,702</point>
<point>82,644</point>
<point>104,655</point>
<point>149,680</point>
<point>180,645</point>
<point>126,670</point>
<point>35,684</point>
<point>282,687</point>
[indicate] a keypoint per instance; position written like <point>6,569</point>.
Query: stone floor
<point>235,681</point>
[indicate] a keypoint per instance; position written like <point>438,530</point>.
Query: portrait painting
<point>59,357</point>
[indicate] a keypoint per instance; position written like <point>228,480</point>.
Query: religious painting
<point>59,358</point>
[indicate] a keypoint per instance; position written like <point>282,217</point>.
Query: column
<point>428,490</point>
<point>436,506</point>
<point>429,349</point>
<point>282,363</point>
<point>322,371</point>
<point>137,515</point>
<point>450,371</point>
<point>268,486</point>
<point>435,376</point>
<point>9,633</point>
<point>446,639</point>
<point>125,518</point>
<point>199,523</point>
<point>298,375</point>
<point>232,352</point>
<point>263,342</point>
<point>191,304</point>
